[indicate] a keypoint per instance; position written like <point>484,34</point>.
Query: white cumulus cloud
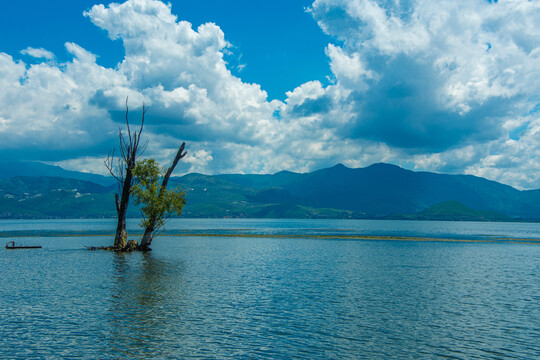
<point>38,53</point>
<point>445,82</point>
<point>445,86</point>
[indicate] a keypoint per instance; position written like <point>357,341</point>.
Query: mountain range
<point>377,191</point>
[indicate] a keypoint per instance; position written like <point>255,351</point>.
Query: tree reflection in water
<point>145,314</point>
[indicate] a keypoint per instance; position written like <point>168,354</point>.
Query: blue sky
<point>260,86</point>
<point>276,43</point>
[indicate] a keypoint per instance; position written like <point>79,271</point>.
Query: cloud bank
<point>446,86</point>
<point>450,83</point>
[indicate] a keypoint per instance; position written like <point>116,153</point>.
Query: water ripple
<point>246,298</point>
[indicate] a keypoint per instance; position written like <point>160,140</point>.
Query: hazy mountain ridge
<point>452,210</point>
<point>54,197</point>
<point>9,169</point>
<point>377,191</point>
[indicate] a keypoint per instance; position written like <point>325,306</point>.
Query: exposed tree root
<point>132,245</point>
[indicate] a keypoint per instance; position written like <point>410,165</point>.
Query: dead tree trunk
<point>130,150</point>
<point>122,204</point>
<point>153,219</point>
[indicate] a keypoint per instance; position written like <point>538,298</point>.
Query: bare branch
<point>158,231</point>
<point>142,215</point>
<point>127,120</point>
<point>177,158</point>
<point>161,228</point>
<point>142,149</point>
<point>121,174</point>
<point>129,151</point>
<point>109,164</point>
<point>124,147</point>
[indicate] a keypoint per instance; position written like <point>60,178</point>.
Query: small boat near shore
<point>11,245</point>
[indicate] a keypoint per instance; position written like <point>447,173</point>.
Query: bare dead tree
<point>130,149</point>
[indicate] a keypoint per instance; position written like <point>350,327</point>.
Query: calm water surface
<point>440,229</point>
<point>266,298</point>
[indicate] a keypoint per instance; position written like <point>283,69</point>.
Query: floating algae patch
<point>358,237</point>
<point>361,230</point>
<point>234,234</point>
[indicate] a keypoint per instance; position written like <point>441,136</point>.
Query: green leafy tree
<point>158,203</point>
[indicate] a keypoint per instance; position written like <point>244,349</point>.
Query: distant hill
<point>377,191</point>
<point>218,196</point>
<point>453,211</point>
<point>373,192</point>
<point>55,197</point>
<point>281,178</point>
<point>10,169</point>
<point>383,189</point>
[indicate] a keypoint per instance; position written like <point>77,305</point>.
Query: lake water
<point>301,297</point>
